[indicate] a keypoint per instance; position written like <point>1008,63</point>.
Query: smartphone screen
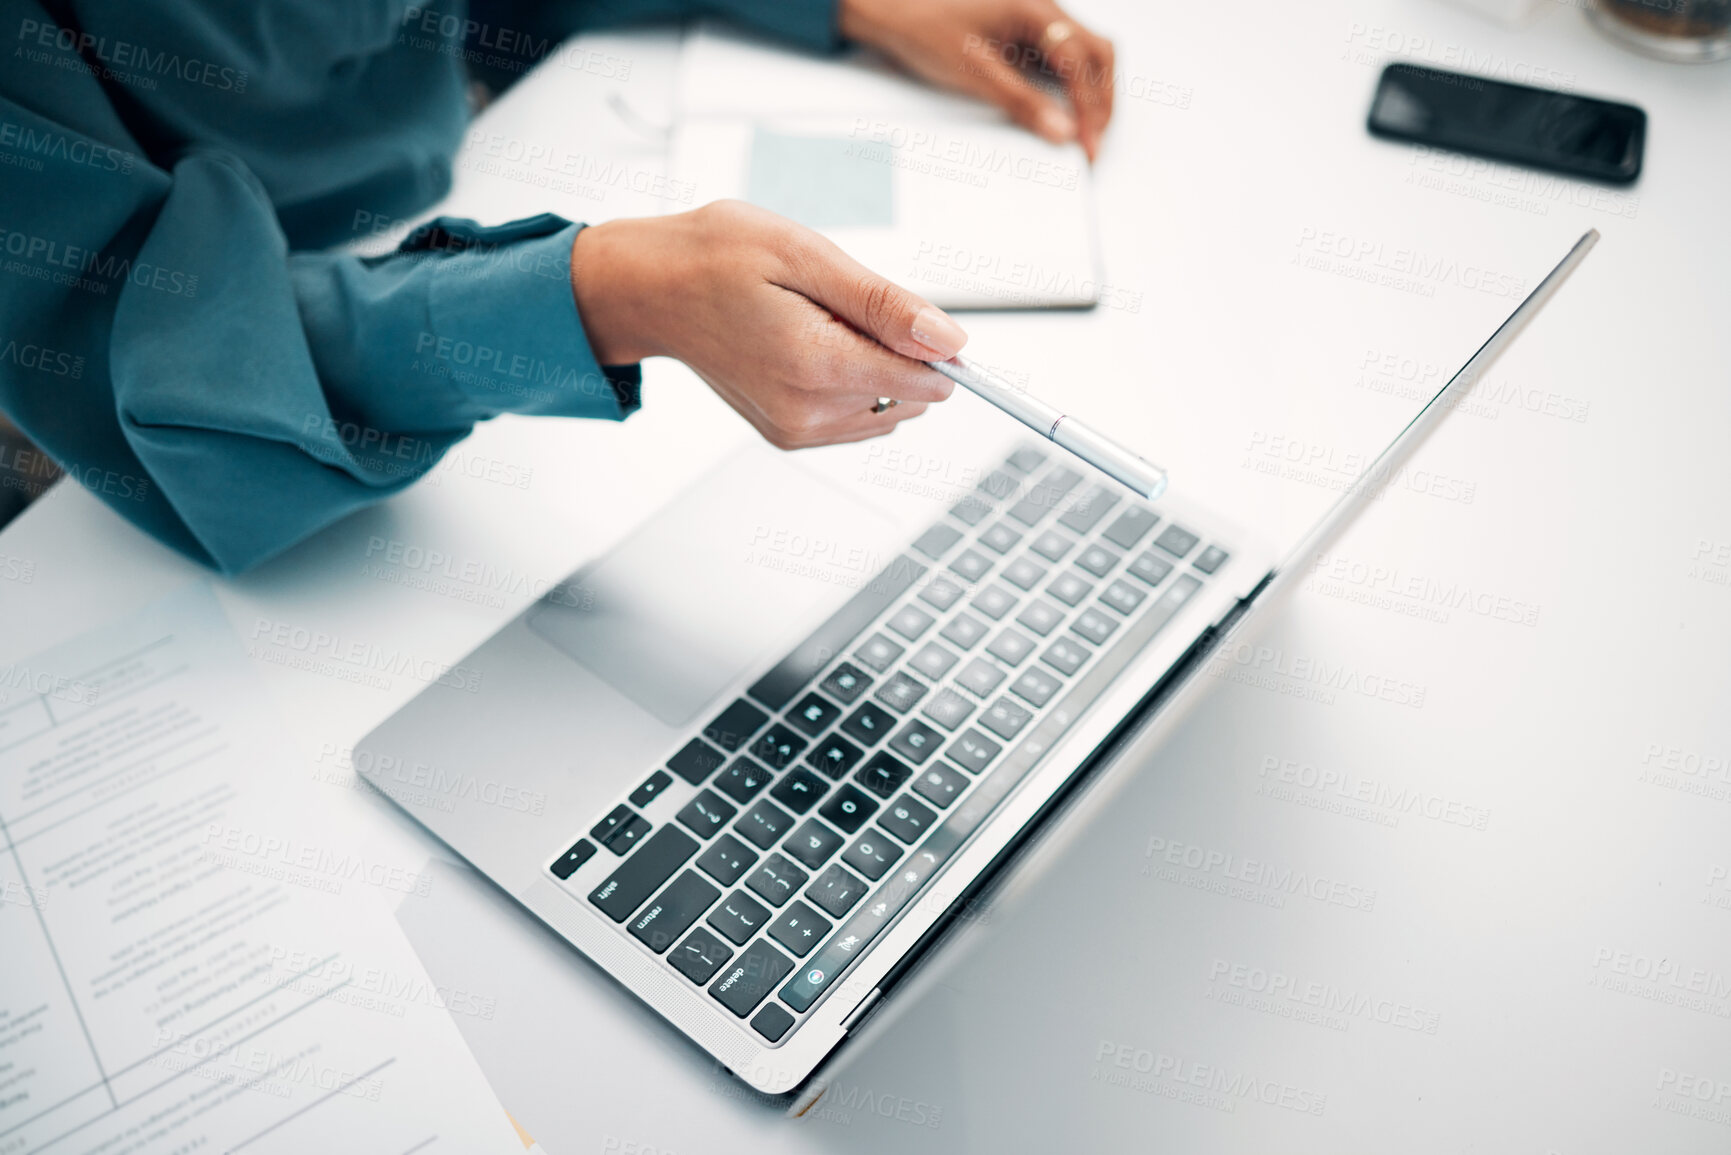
<point>1536,127</point>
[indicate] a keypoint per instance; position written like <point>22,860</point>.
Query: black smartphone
<point>1575,135</point>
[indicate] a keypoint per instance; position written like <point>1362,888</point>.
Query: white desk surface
<point>1573,956</point>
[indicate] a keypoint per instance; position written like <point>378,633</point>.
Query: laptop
<point>755,760</point>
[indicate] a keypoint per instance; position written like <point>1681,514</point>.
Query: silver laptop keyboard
<point>832,792</point>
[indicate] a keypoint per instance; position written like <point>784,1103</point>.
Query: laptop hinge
<point>858,1014</point>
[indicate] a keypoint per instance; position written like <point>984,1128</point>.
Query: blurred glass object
<point>1688,30</point>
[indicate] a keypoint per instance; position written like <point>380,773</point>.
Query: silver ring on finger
<point>885,404</point>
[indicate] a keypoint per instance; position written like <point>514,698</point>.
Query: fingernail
<point>934,329</point>
<point>1056,124</point>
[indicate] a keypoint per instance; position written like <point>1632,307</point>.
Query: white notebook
<point>935,192</point>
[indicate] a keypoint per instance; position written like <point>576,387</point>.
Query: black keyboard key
<point>814,713</point>
<point>1089,509</point>
<point>813,843</point>
<point>1010,647</point>
<point>617,817</point>
<point>568,862</point>
<point>726,860</point>
<point>653,787</point>
<point>980,677</point>
<point>643,873</point>
<point>971,565</point>
<point>1211,559</point>
<point>778,746</point>
<point>1070,587</point>
<point>1132,525</point>
<point>948,709</point>
<point>707,813</point>
<point>1005,718</point>
<point>1040,617</point>
<point>972,751</point>
<point>772,1022</point>
<point>936,541</point>
<point>963,630</point>
<point>1025,573</point>
<point>799,790</point>
<point>916,741</point>
<point>834,755</point>
<point>910,622</point>
<point>799,929</point>
<point>1035,686</point>
<point>696,761</point>
<point>878,652</point>
<point>901,693</point>
<point>869,724</point>
<point>941,593</point>
<point>748,979</point>
<point>1150,569</point>
<point>1001,538</point>
<point>971,510</point>
<point>1176,540</point>
<point>908,819</point>
<point>1098,560</point>
<point>847,809</point>
<point>1053,545</point>
<point>699,956</point>
<point>836,891</point>
<point>764,824</point>
<point>1045,495</point>
<point>777,880</point>
<point>735,724</point>
<point>1026,459</point>
<point>933,661</point>
<point>872,854</point>
<point>845,683</point>
<point>743,781</point>
<point>1094,625</point>
<point>939,785</point>
<point>1065,655</point>
<point>1123,597</point>
<point>673,911</point>
<point>778,687</point>
<point>627,834</point>
<point>739,917</point>
<point>995,601</point>
<point>883,775</point>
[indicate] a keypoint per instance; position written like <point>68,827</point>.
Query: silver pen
<point>1104,454</point>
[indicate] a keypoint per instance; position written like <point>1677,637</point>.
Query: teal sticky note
<point>822,182</point>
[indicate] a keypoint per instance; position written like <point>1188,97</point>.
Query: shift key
<point>643,873</point>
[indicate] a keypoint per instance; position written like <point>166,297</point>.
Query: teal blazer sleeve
<point>172,332</point>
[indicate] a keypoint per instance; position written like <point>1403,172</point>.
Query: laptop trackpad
<point>743,564</point>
